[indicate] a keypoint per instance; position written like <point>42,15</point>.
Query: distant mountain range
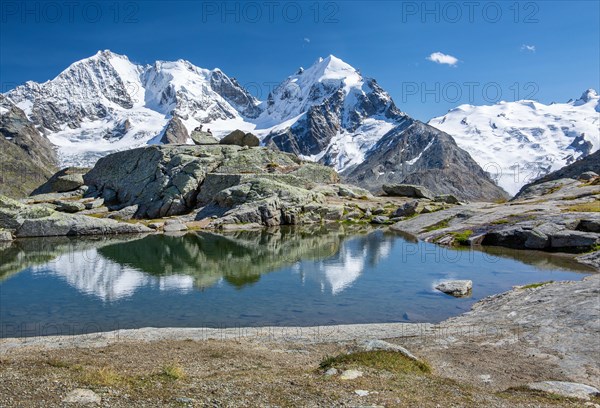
<point>328,113</point>
<point>517,142</point>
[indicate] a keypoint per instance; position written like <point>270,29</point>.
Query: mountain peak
<point>589,95</point>
<point>332,67</point>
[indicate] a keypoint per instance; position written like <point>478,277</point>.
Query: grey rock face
<point>456,288</point>
<point>69,206</point>
<point>416,153</point>
<point>58,225</point>
<point>543,188</point>
<point>175,132</point>
<point>587,176</point>
<point>547,236</point>
<point>566,389</point>
<point>28,158</point>
<point>65,180</point>
<point>592,259</point>
<point>589,226</point>
<point>380,219</point>
<point>174,226</point>
<point>126,213</point>
<point>203,138</point>
<point>42,221</point>
<point>240,185</point>
<point>409,209</point>
<point>5,236</point>
<point>92,205</point>
<point>589,163</point>
<point>446,198</point>
<point>239,138</point>
<point>407,190</point>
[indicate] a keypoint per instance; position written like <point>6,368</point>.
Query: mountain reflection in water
<point>288,276</point>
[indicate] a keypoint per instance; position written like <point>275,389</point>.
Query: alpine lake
<point>280,277</point>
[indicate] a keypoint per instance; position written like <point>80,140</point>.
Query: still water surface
<point>284,277</point>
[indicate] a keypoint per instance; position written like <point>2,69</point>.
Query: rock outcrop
<point>40,220</point>
<point>416,153</point>
<point>239,138</point>
<point>175,132</point>
<point>68,179</point>
<point>589,163</point>
<point>407,190</point>
<point>456,288</point>
<point>203,138</point>
<point>239,185</point>
<point>27,158</point>
<point>556,216</point>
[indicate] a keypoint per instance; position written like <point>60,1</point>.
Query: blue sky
<point>544,50</point>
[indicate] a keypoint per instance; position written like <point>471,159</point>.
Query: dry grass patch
<point>173,371</point>
<point>104,376</point>
<point>593,206</point>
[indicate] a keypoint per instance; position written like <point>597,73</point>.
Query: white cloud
<point>306,40</point>
<point>528,48</point>
<point>441,58</point>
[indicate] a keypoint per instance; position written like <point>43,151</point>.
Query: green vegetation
<point>552,190</point>
<point>500,222</point>
<point>593,206</point>
<point>462,238</point>
<point>57,363</point>
<point>541,396</point>
<point>445,223</point>
<point>536,285</point>
<point>381,360</point>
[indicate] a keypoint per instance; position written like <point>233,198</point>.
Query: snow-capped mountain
<point>518,142</point>
<point>328,113</point>
<point>106,103</point>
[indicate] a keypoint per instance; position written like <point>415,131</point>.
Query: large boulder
<point>69,206</point>
<point>456,288</point>
<point>239,138</point>
<point>409,209</point>
<point>68,179</point>
<point>566,389</point>
<point>175,132</point>
<point>203,138</point>
<point>407,190</point>
<point>587,176</point>
<point>589,226</point>
<point>39,220</point>
<point>58,224</point>
<point>546,236</point>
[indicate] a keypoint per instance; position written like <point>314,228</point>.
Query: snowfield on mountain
<point>518,142</point>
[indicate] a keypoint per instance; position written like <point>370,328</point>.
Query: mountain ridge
<point>328,112</point>
<point>523,140</point>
